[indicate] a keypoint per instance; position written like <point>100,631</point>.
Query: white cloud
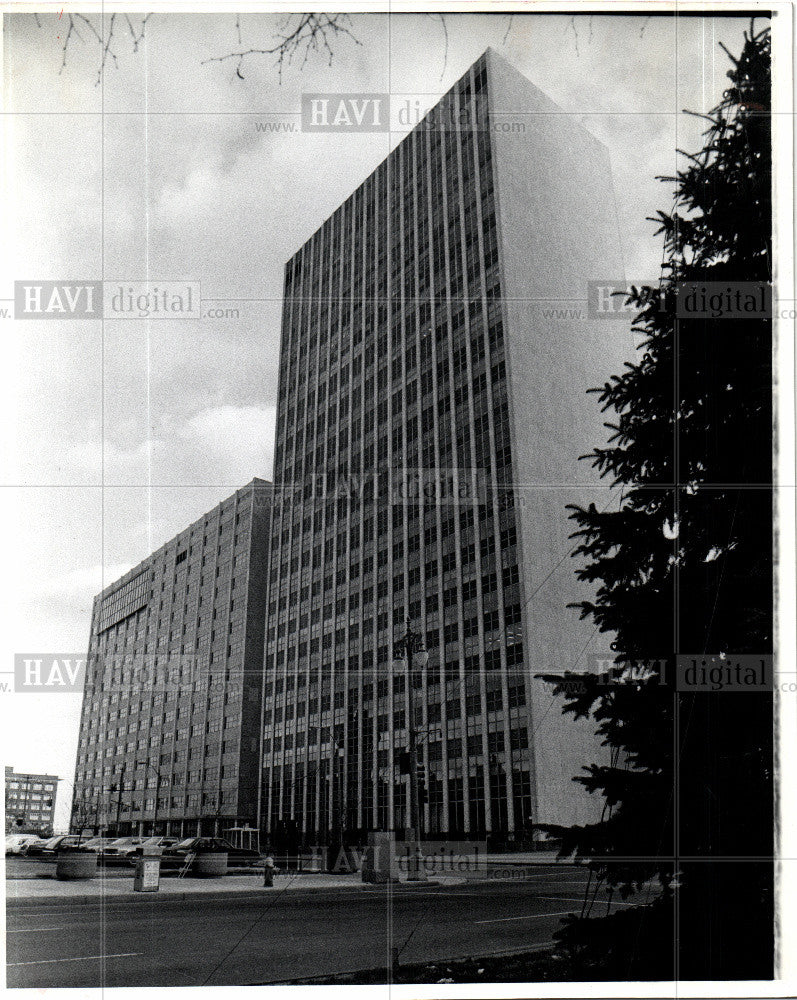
<point>77,583</point>
<point>224,444</point>
<point>195,195</point>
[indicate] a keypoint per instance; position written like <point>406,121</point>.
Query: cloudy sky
<point>121,433</point>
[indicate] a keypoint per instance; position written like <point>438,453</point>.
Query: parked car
<point>121,849</point>
<point>176,857</point>
<point>18,843</point>
<point>164,843</point>
<point>96,843</point>
<point>49,848</point>
<point>34,845</point>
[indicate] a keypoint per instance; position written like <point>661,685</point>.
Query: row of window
<point>24,786</point>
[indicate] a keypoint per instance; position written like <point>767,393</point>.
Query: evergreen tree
<point>684,567</point>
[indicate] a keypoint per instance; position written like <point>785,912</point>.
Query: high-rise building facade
<point>30,802</point>
<point>169,733</point>
<point>431,414</point>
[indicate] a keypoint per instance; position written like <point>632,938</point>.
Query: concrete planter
<point>210,865</point>
<point>72,864</point>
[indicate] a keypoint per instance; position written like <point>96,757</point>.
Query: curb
<point>147,897</point>
<point>132,897</point>
<point>151,897</point>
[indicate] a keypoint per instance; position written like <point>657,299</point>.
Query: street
<point>284,936</point>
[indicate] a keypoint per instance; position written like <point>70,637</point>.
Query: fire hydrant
<point>268,873</point>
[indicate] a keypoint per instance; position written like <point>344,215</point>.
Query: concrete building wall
<point>30,802</point>
<point>412,340</point>
<point>558,231</point>
<point>170,723</point>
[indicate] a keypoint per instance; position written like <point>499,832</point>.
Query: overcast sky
<point>124,432</point>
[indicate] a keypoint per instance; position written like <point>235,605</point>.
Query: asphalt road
<point>283,936</point>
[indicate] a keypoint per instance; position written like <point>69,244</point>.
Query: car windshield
<point>53,841</point>
<point>187,843</point>
<point>125,841</point>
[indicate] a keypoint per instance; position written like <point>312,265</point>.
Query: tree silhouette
<point>684,568</point>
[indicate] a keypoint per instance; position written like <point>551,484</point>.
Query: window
<point>511,576</point>
<point>517,695</point>
<point>519,739</point>
<point>495,701</point>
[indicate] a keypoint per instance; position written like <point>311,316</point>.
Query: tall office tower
<point>30,802</point>
<point>431,413</point>
<point>169,733</point>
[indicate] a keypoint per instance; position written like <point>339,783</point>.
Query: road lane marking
<point>35,930</point>
<point>80,958</point>
<point>595,902</point>
<point>530,916</point>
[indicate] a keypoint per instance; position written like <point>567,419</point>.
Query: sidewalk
<point>32,892</point>
<point>118,887</point>
<point>525,858</point>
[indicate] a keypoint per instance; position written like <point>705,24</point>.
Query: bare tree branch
<point>88,23</point>
<point>137,37</point>
<point>107,50</point>
<point>69,30</point>
<point>572,24</point>
<point>302,35</point>
<point>312,33</point>
<point>444,25</point>
<point>105,43</point>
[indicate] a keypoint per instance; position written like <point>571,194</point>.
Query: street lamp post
<point>25,801</point>
<point>414,654</point>
<point>336,778</point>
<point>120,787</point>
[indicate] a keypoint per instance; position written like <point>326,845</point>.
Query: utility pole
<point>25,801</point>
<point>338,823</point>
<point>157,797</point>
<point>120,790</point>
<point>414,655</point>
